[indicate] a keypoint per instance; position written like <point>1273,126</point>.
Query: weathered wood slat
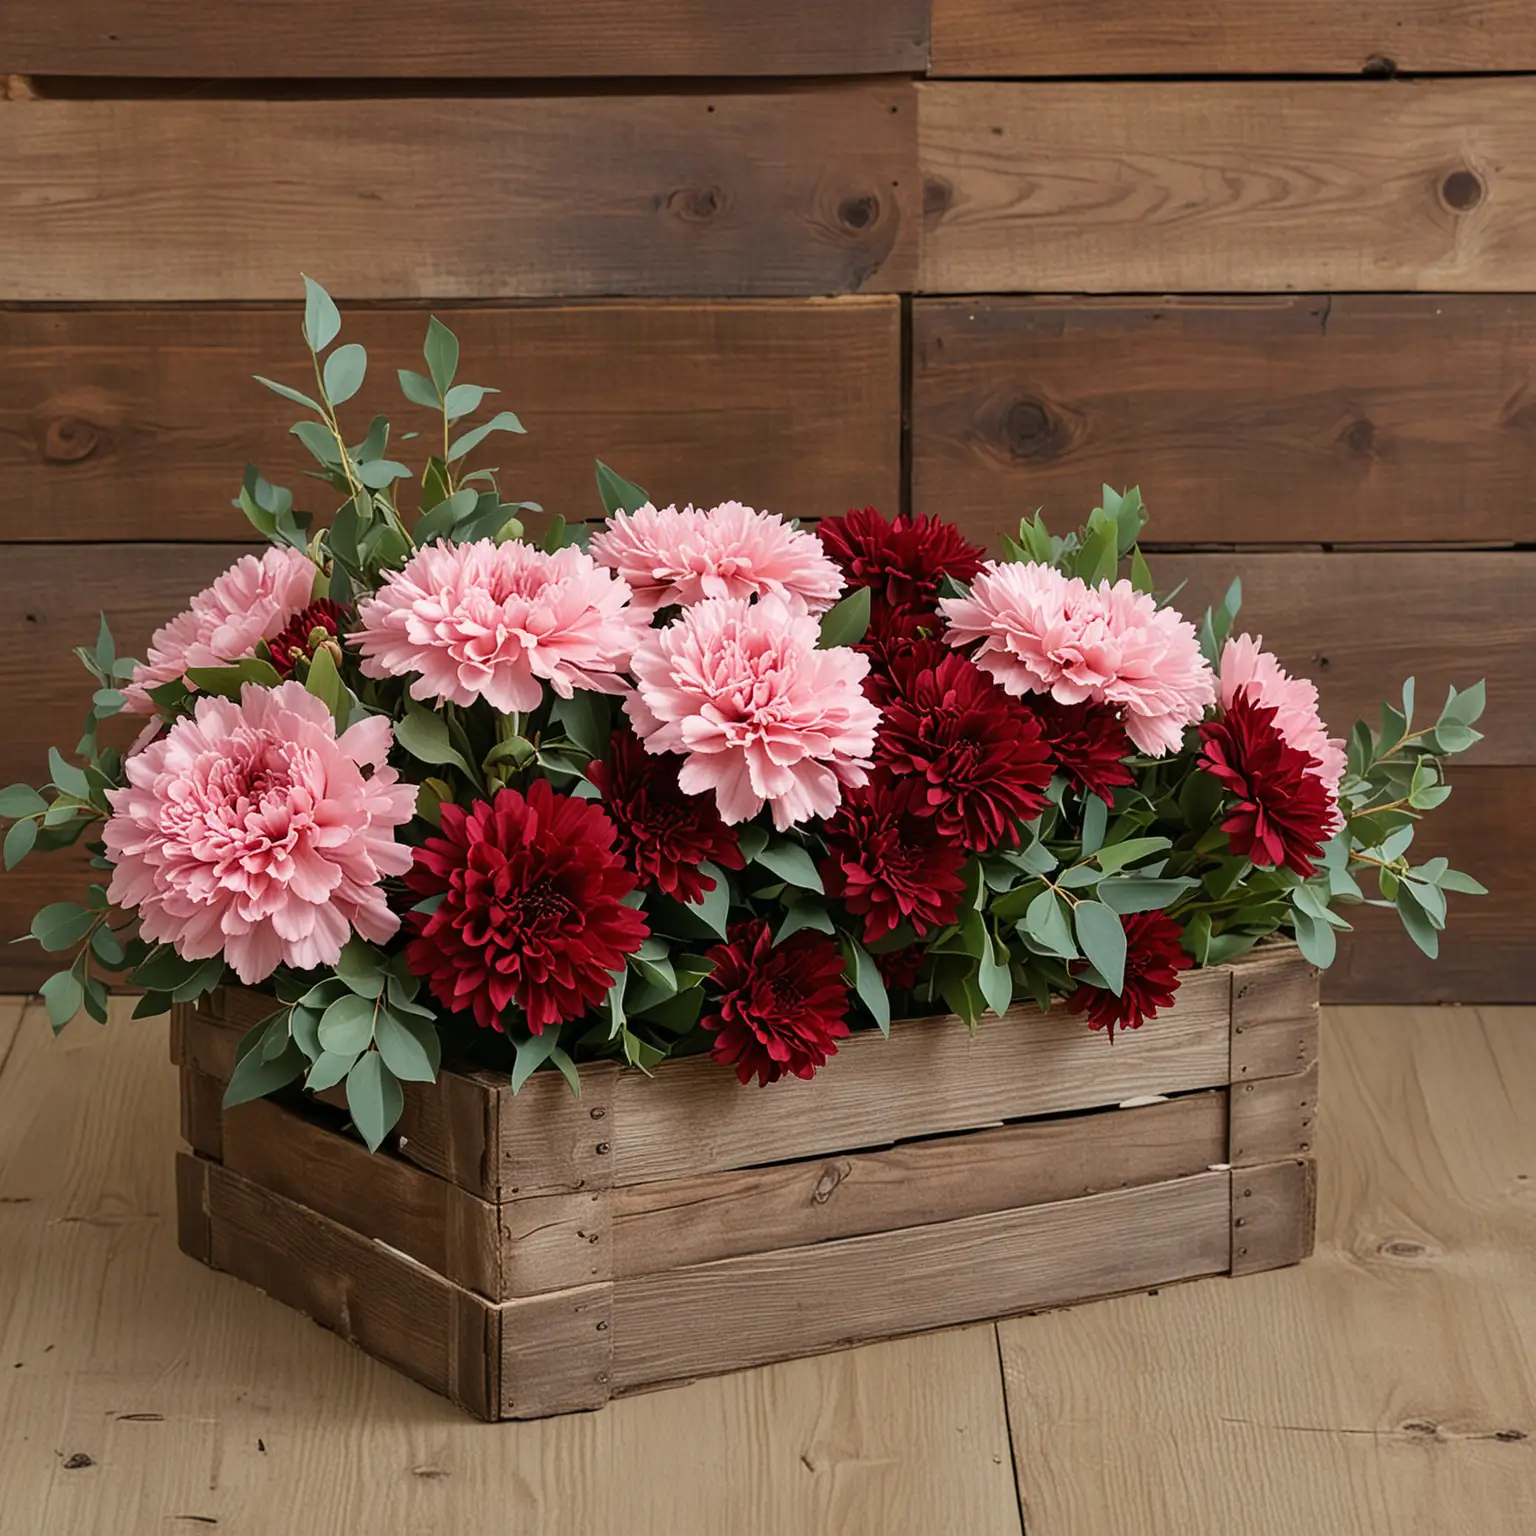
<point>1228,187</point>
<point>465,38</point>
<point>1274,1215</point>
<point>763,1307</point>
<point>1283,37</point>
<point>795,192</point>
<point>1340,419</point>
<point>1358,623</point>
<point>1273,1118</point>
<point>119,424</point>
<point>1274,1015</point>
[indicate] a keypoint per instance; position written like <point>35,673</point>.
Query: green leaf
<point>255,1077</point>
<point>61,925</point>
<point>297,396</point>
<point>322,320</point>
<point>1046,924</point>
<point>304,1027</point>
<point>21,800</point>
<point>1095,819</point>
<point>107,948</point>
<point>442,519</point>
<point>617,493</point>
<point>847,622</point>
<point>418,390</point>
<point>378,473</point>
<point>1102,938</point>
<point>1131,893</point>
<point>1118,855</point>
<point>585,716</point>
<point>532,1053</point>
<point>804,914</point>
<point>410,1047</point>
<point>329,1069</point>
<point>1417,921</point>
<point>867,981</point>
<point>995,979</point>
<point>1454,880</point>
<point>66,776</point>
<point>792,864</point>
<point>64,994</point>
<point>424,734</point>
<point>205,977</point>
<point>226,682</point>
<point>374,1099</point>
<point>19,842</point>
<point>347,1025</point>
<point>464,398</point>
<point>318,439</point>
<point>502,421</point>
<point>1452,736</point>
<point>362,968</point>
<point>1467,707</point>
<point>324,681</point>
<point>1317,941</point>
<point>714,906</point>
<point>441,350</point>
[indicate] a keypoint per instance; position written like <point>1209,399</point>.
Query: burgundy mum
<point>531,911</point>
<point>889,861</point>
<point>1153,959</point>
<point>974,753</point>
<point>662,833</point>
<point>1087,742</point>
<point>1282,812</point>
<point>296,642</point>
<point>775,1009</point>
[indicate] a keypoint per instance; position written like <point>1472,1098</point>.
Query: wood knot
<point>78,1460</point>
<point>1379,67</point>
<point>1403,1248</point>
<point>68,439</point>
<point>832,1175</point>
<point>1031,431</point>
<point>1360,437</point>
<point>1510,1436</point>
<point>938,196</point>
<point>1462,191</point>
<point>858,212</point>
<point>1425,1427</point>
<point>696,205</point>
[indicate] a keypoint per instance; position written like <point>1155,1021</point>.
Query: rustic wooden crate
<point>538,1254</point>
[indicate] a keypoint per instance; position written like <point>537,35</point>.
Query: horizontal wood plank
<point>1217,187</point>
<point>1359,623</point>
<point>1346,418</point>
<point>464,38</point>
<point>1282,37</point>
<point>763,1307</point>
<point>137,424</point>
<point>730,193</point>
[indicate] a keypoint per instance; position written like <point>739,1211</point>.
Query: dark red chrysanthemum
<point>889,862</point>
<point>663,834</point>
<point>899,968</point>
<point>531,908</point>
<point>974,751</point>
<point>1283,813</point>
<point>901,561</point>
<point>297,642</point>
<point>1087,743</point>
<point>1153,960</point>
<point>775,1010</point>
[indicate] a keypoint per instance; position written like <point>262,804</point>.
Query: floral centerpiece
<point>689,780</point>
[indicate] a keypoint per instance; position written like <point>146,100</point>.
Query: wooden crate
<point>539,1254</point>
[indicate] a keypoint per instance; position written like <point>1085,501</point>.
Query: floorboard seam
<point>1013,1454</point>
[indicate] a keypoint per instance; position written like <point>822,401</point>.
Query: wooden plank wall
<point>1276,264</point>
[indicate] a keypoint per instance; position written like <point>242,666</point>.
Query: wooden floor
<point>1385,1387</point>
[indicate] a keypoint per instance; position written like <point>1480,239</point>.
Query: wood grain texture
<point>1286,37</point>
<point>1219,188</point>
<point>1340,419</point>
<point>1273,1118</point>
<point>764,1306</point>
<point>464,38</point>
<point>1274,1014</point>
<point>736,194</point>
<point>137,424</point>
<point>1384,1385</point>
<point>1358,624</point>
<point>1274,1215</point>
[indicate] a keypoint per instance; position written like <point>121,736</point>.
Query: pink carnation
<point>1042,632</point>
<point>252,601</point>
<point>1245,666</point>
<point>670,557</point>
<point>496,621</point>
<point>253,830</point>
<point>760,714</point>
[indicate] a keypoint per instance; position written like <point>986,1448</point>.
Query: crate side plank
<point>1217,187</point>
<point>557,1352</point>
<point>1273,1118</point>
<point>1274,1015</point>
<point>929,1077</point>
<point>692,194</point>
<point>1274,1215</point>
<point>747,1311</point>
<point>202,1113</point>
<point>193,1235</point>
<point>789,404</point>
<point>393,1309</point>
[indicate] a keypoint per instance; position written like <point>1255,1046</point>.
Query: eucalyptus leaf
<point>792,864</point>
<point>255,1076</point>
<point>502,421</point>
<point>322,320</point>
<point>19,842</point>
<point>347,1025</point>
<point>374,1099</point>
<point>441,350</point>
<point>531,1054</point>
<point>846,622</point>
<point>64,996</point>
<point>1102,938</point>
<point>617,493</point>
<point>410,1047</point>
<point>867,982</point>
<point>344,371</point>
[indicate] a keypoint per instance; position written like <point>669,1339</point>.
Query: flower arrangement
<point>689,780</point>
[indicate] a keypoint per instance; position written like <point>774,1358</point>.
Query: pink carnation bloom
<point>496,622</point>
<point>252,601</point>
<point>670,557</point>
<point>760,714</point>
<point>1246,666</point>
<point>252,830</point>
<point>1042,632</point>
